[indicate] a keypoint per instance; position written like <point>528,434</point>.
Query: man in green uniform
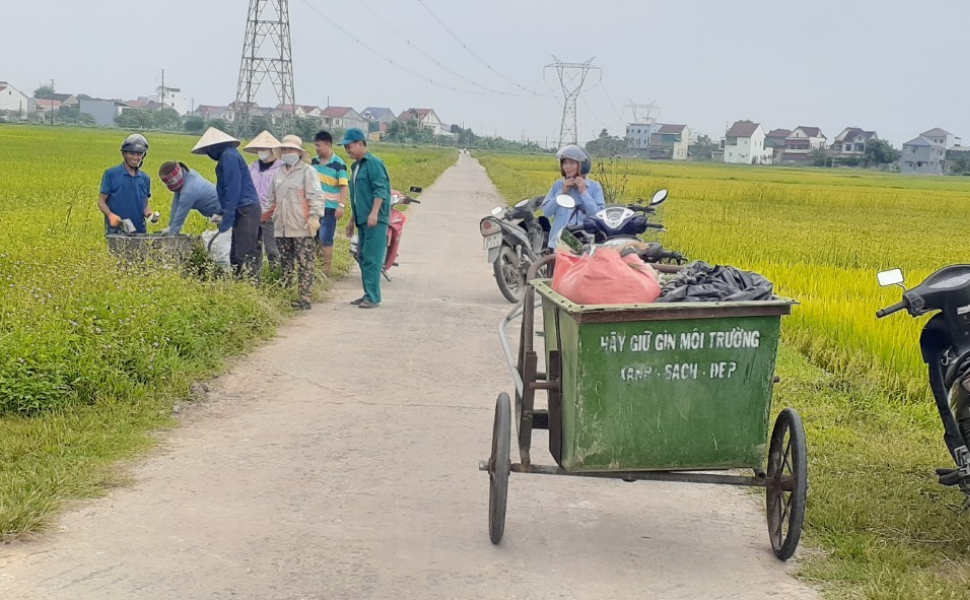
<point>370,202</point>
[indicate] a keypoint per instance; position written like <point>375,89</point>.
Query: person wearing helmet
<point>574,165</point>
<point>192,192</point>
<point>126,189</point>
<point>238,198</point>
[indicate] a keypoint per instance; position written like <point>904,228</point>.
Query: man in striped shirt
<point>333,179</point>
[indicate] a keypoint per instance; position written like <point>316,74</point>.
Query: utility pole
<point>572,76</point>
<point>266,53</point>
<point>51,100</point>
<point>162,98</point>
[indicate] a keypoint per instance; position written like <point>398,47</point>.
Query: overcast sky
<point>891,65</point>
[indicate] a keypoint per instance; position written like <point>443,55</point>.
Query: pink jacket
<point>263,180</point>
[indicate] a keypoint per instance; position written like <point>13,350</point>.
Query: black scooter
<point>514,238</point>
<point>945,345</point>
<point>620,227</point>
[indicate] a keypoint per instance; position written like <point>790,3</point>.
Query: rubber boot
<point>326,253</point>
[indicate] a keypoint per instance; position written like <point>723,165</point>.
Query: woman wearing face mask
<point>295,205</point>
<point>238,199</point>
<point>263,170</point>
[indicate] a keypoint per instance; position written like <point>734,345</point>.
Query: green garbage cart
<point>663,391</point>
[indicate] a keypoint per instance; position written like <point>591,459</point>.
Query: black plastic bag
<point>701,282</point>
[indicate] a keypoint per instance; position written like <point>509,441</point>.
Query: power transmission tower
<point>635,107</point>
<point>266,54</point>
<point>572,76</point>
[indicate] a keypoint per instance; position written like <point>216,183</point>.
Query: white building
<point>941,137</point>
<point>744,144</point>
<point>13,100</point>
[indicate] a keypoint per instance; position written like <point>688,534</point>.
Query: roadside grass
<point>93,357</point>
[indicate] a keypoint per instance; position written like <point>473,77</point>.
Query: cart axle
<point>785,484</point>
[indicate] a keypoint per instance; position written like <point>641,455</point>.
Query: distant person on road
<point>296,206</point>
<point>574,165</point>
<point>263,170</point>
<point>370,201</point>
<point>237,198</point>
<point>336,190</point>
<point>126,189</point>
<point>192,192</point>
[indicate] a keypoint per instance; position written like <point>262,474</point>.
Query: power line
<point>420,51</point>
<point>387,59</point>
<point>469,50</point>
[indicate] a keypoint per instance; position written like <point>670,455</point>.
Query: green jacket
<point>369,180</point>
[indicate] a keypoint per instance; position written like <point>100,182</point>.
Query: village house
<point>801,143</point>
<point>378,118</point>
<point>942,137</point>
<point>343,117</point>
<point>13,101</point>
<point>103,111</point>
<point>208,112</point>
<point>744,144</point>
<point>669,142</point>
<point>638,136</point>
<point>427,118</point>
<point>922,156</point>
<point>852,142</point>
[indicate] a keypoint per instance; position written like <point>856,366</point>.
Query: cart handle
<point>526,310</point>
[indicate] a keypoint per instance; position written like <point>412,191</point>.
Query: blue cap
<point>353,135</point>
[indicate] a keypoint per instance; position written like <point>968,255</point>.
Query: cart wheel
<point>499,466</point>
<point>788,483</point>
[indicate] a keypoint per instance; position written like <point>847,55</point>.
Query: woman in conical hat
<point>262,170</point>
<point>238,198</point>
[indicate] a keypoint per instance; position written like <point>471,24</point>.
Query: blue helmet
<point>574,152</point>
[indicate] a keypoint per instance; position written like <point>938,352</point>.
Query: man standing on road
<point>370,201</point>
<point>263,170</point>
<point>192,191</point>
<point>238,199</point>
<point>126,189</point>
<point>333,179</point>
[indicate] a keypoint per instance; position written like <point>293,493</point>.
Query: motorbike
<point>514,238</point>
<point>945,346</point>
<point>394,231</point>
<point>620,227</point>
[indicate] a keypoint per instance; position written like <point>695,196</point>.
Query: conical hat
<point>211,137</point>
<point>263,141</point>
<point>296,143</point>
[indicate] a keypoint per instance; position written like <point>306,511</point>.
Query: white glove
<point>215,219</point>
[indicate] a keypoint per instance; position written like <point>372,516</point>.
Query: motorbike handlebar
<point>891,309</point>
<point>655,225</point>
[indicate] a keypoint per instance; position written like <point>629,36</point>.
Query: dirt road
<point>341,462</point>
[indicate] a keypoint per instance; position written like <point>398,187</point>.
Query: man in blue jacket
<point>238,199</point>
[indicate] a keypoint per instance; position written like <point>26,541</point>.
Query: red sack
<point>605,278</point>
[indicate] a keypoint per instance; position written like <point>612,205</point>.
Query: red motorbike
<point>394,231</point>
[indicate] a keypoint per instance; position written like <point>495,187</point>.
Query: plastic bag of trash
<point>605,277</point>
<point>702,282</point>
<point>218,246</point>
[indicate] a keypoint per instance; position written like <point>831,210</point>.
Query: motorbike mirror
<point>497,211</point>
<point>658,197</point>
<point>523,203</point>
<point>566,201</point>
<point>415,189</point>
<point>891,277</point>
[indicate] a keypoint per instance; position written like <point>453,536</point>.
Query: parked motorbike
<point>515,238</point>
<point>394,232</point>
<point>620,227</point>
<point>945,345</point>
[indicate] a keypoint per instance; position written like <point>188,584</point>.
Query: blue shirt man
<point>192,192</point>
<point>588,203</point>
<point>125,189</point>
<point>235,186</point>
